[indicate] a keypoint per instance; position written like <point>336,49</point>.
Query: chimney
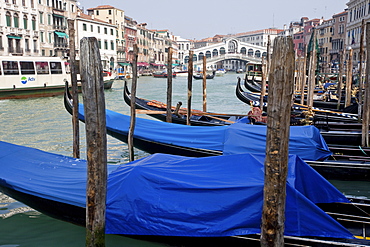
<point>93,17</point>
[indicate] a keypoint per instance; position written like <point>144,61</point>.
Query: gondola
<point>197,141</point>
<point>56,186</point>
<point>180,117</point>
<point>320,114</point>
<point>328,104</point>
<point>199,76</point>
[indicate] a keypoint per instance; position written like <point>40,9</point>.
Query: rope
<point>363,151</point>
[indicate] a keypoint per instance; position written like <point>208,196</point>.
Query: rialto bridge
<point>230,55</point>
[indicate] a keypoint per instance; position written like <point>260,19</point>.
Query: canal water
<point>43,123</point>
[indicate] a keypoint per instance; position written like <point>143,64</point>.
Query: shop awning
<point>124,64</point>
<point>142,64</point>
<point>60,16</point>
<point>13,37</point>
<point>61,34</point>
<point>154,64</point>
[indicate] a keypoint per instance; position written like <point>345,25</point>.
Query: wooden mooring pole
<point>263,84</point>
<point>169,86</point>
<point>204,83</point>
<point>96,140</point>
<point>366,106</point>
<point>281,84</point>
<point>72,65</point>
<point>130,140</point>
<point>340,75</point>
<point>190,86</point>
<point>360,72</point>
<point>348,95</point>
<point>311,83</point>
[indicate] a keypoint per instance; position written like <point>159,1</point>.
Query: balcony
<point>60,45</point>
<point>16,51</point>
<point>59,27</point>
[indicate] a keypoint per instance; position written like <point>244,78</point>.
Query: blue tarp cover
<point>178,196</point>
<point>305,141</point>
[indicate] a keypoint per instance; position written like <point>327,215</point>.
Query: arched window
<point>200,56</point>
<point>194,57</point>
<point>243,50</point>
<point>16,20</point>
<point>187,46</point>
<point>8,19</point>
<point>208,54</point>
<point>25,22</point>
<point>33,23</point>
<point>264,54</point>
<point>214,53</point>
<point>186,60</point>
<point>257,53</point>
<point>250,52</point>
<point>222,51</point>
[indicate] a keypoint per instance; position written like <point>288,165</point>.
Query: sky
<point>198,19</point>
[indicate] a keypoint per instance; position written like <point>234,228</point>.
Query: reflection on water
<point>44,124</point>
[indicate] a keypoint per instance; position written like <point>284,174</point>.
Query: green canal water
<point>43,123</point>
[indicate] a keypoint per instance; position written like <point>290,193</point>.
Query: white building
<point>105,33</point>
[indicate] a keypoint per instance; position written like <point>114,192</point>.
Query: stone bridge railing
<point>240,56</point>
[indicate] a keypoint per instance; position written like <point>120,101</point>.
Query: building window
<point>105,45</point>
<point>33,23</point>
<point>23,2</point>
<point>8,19</point>
<point>111,32</point>
<point>49,19</point>
<point>112,45</point>
<point>27,44</point>
<point>32,4</point>
<point>109,12</point>
<point>41,18</point>
<point>99,43</point>
<point>25,22</point>
<point>98,29</point>
<point>84,27</point>
<point>43,53</point>
<point>42,36</point>
<point>50,39</point>
<point>97,12</point>
<point>91,28</point>
<point>16,20</point>
<point>105,30</point>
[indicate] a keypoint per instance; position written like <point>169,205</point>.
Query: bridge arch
<point>257,53</point>
<point>232,46</point>
<point>214,53</point>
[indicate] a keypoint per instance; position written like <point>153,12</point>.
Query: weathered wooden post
<point>263,85</point>
<point>96,140</point>
<point>130,140</point>
<point>75,122</point>
<point>169,86</point>
<point>361,82</point>
<point>366,107</point>
<point>312,71</point>
<point>349,79</point>
<point>190,86</point>
<point>304,76</point>
<point>281,84</point>
<point>204,84</point>
<point>341,72</point>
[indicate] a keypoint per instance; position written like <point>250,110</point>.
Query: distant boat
<point>220,72</point>
<point>28,77</point>
<point>166,195</point>
<point>199,76</point>
<point>162,74</point>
